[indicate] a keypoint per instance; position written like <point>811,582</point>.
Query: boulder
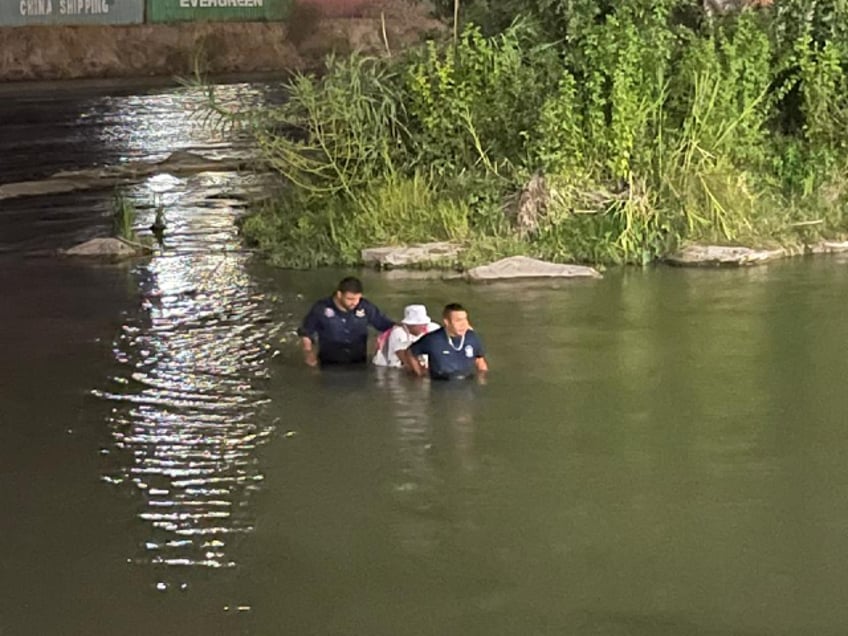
<point>107,249</point>
<point>515,267</point>
<point>404,256</point>
<point>721,255</point>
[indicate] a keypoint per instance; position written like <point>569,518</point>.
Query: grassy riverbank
<point>600,135</point>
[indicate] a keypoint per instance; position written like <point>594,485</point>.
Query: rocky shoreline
<point>436,256</point>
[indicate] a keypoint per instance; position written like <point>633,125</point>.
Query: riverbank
<point>608,139</point>
<point>40,53</point>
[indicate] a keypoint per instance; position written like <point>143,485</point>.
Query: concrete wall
<point>69,52</point>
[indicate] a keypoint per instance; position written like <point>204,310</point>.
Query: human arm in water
<point>309,356</point>
<point>410,361</point>
<point>308,331</point>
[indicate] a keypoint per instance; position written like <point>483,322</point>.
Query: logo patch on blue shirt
<point>329,312</point>
<point>360,313</point>
<point>469,351</point>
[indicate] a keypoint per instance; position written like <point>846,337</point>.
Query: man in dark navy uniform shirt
<point>454,351</point>
<point>339,324</point>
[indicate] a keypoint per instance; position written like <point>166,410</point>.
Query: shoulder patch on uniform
<point>328,311</point>
<point>360,313</point>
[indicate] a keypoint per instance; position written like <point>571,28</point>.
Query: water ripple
<point>184,426</point>
<point>79,128</point>
<point>191,359</point>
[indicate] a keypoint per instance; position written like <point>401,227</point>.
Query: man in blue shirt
<point>339,324</point>
<point>454,351</point>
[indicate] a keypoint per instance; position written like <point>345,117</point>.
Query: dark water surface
<point>660,452</point>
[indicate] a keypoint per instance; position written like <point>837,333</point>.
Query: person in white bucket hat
<point>415,324</point>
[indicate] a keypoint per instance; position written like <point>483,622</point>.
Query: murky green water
<point>660,452</point>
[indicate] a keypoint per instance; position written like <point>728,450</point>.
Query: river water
<point>660,452</point>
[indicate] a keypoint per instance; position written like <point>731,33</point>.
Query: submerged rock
<point>38,188</point>
<point>107,249</point>
<point>515,267</point>
<point>179,163</point>
<point>183,162</point>
<point>403,256</point>
<point>722,255</point>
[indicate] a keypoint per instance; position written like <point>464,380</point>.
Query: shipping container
<point>216,10</point>
<point>29,12</point>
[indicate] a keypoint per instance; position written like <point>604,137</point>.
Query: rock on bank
<point>75,52</point>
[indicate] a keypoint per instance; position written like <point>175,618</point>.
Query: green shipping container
<point>216,10</point>
<point>29,12</point>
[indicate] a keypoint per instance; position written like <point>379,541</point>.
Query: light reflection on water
<point>74,130</point>
<point>185,426</point>
<point>150,127</point>
<point>79,128</point>
<point>193,362</point>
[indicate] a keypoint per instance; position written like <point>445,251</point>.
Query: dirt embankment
<point>53,52</point>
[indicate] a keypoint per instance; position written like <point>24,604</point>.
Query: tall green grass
<point>124,216</point>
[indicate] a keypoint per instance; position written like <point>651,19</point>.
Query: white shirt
<point>399,339</point>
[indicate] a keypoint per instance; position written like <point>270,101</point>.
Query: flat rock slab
<point>517,267</point>
<point>720,255</point>
<point>830,247</point>
<point>179,163</point>
<point>37,188</point>
<point>106,249</point>
<point>404,256</point>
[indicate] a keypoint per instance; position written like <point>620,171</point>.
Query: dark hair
<point>350,285</point>
<point>452,307</point>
